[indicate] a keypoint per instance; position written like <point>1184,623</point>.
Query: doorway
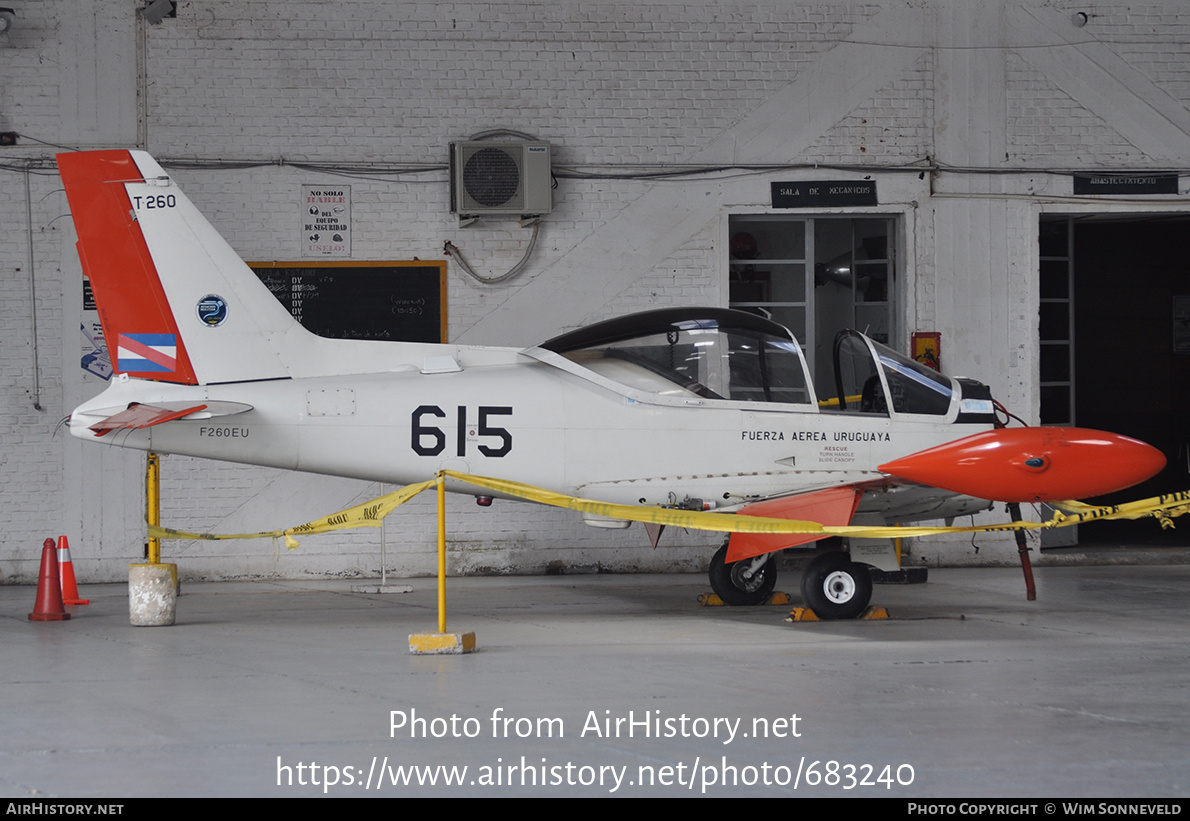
<point>1129,335</point>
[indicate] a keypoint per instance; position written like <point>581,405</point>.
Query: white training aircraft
<point>682,407</point>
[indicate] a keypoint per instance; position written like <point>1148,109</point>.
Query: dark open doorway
<point>1131,286</point>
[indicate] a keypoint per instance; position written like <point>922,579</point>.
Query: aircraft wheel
<point>835,587</point>
<point>732,582</point>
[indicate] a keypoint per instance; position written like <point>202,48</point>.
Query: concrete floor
<point>969,691</point>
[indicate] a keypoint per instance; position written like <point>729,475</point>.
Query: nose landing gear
<point>746,582</point>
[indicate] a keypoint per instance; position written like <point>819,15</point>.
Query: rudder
<point>132,305</point>
<point>175,298</point>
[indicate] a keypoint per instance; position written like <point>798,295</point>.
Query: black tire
<point>730,584</point>
<point>835,587</point>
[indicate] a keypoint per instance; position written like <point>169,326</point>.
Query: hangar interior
<point>672,129</point>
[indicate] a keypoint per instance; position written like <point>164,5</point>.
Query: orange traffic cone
<point>70,588</point>
<point>48,606</point>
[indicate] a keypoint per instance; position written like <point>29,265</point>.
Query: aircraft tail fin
<point>176,302</point>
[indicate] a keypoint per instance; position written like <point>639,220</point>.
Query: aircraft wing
<point>832,506</point>
<point>1030,464</point>
<point>138,415</point>
<point>886,499</point>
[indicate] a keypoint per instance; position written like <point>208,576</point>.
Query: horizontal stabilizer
<point>138,415</point>
<point>141,416</point>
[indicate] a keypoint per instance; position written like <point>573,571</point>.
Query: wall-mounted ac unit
<point>500,178</point>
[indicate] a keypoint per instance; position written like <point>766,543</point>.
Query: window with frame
<point>815,276</point>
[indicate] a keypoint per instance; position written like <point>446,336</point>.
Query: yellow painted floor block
<point>441,644</point>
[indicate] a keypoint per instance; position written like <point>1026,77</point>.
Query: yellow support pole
<point>441,552</point>
<point>441,643</point>
<point>153,504</point>
<point>152,586</point>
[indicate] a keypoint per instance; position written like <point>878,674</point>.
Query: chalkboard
<point>394,301</point>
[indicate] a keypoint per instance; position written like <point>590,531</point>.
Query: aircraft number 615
<point>430,440</point>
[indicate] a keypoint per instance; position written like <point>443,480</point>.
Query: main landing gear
<point>833,586</point>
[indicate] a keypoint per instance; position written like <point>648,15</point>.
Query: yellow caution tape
<point>1160,507</point>
<point>1163,508</point>
<point>371,514</point>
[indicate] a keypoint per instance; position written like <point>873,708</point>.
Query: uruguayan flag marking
<point>138,353</point>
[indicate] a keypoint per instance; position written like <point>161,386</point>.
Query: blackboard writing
<point>392,301</point>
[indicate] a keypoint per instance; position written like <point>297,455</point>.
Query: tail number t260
<point>428,439</point>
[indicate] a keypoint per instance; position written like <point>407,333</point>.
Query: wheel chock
<point>806,614</point>
<point>712,600</point>
<point>441,644</point>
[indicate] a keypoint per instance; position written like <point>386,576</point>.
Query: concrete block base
<point>152,594</point>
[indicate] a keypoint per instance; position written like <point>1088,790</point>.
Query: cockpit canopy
<point>721,354</point>
<point>709,352</point>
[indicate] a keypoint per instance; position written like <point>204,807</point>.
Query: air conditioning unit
<point>500,178</point>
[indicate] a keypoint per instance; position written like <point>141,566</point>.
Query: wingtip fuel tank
<point>1035,464</point>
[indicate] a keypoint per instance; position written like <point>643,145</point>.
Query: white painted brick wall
<point>1045,125</point>
<point>609,84</point>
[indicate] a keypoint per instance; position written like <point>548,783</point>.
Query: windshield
<point>912,387</point>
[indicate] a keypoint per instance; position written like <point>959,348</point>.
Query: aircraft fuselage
<point>530,422</point>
